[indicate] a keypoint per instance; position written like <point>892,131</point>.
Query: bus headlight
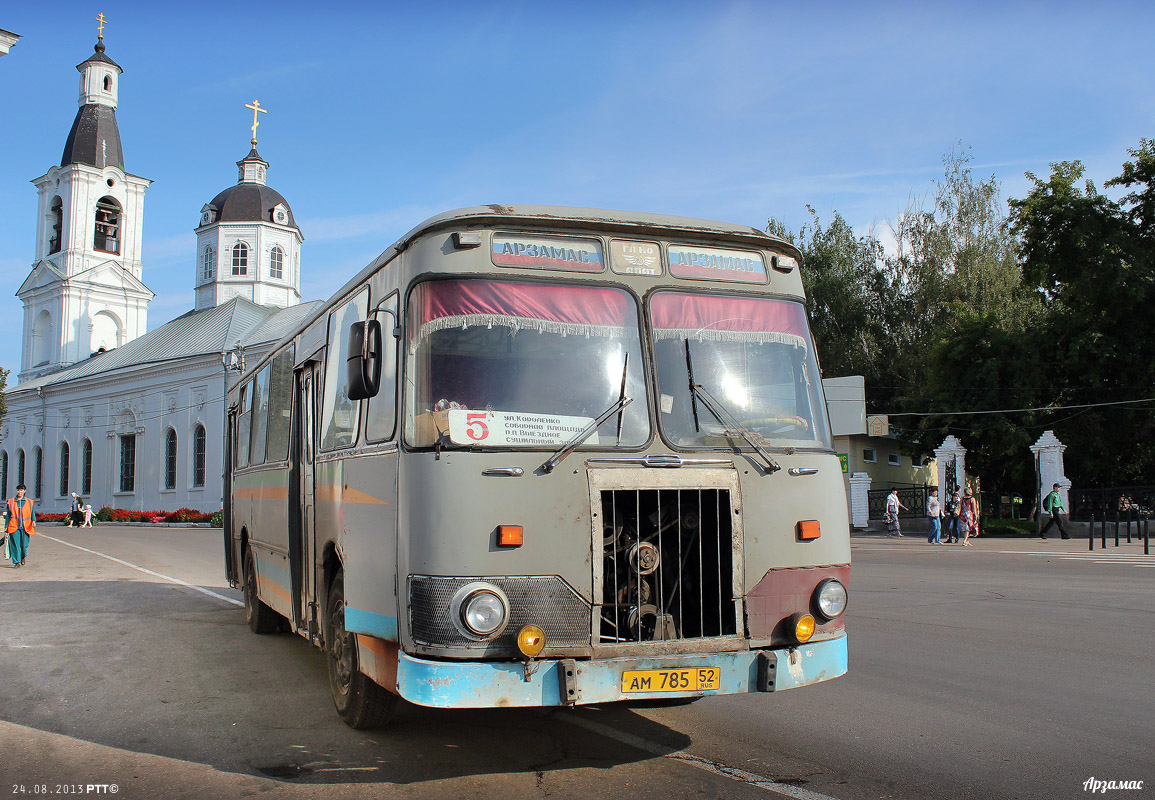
<point>481,610</point>
<point>830,599</point>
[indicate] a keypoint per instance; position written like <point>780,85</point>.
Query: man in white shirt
<point>934,512</point>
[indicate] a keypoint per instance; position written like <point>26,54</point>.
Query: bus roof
<point>633,223</point>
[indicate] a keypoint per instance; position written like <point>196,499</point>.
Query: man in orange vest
<point>19,522</point>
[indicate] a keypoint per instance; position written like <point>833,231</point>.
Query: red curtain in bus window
<point>571,310</point>
<point>728,319</point>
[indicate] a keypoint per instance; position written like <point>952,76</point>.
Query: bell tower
<point>85,292</point>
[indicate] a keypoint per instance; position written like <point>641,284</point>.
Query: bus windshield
<point>507,364</point>
<point>752,356</point>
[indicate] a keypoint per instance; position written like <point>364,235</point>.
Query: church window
<point>240,259</point>
<point>199,445</point>
<point>63,469</point>
<point>108,83</point>
<point>20,466</point>
<point>4,475</point>
<point>170,459</point>
<point>128,463</point>
<point>277,263</point>
<point>37,472</point>
<point>56,223</point>
<point>86,468</point>
<point>209,263</point>
<point>42,350</point>
<point>107,225</point>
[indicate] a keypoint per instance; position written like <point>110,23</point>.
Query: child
<point>87,517</point>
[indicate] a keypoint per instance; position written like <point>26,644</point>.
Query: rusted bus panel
<point>507,684</point>
<point>378,660</point>
<point>367,515</point>
<point>783,592</point>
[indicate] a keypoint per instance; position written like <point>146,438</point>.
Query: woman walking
<point>970,517</point>
<point>19,523</point>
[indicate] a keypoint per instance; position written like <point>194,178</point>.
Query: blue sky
<point>382,114</point>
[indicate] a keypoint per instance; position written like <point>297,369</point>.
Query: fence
<point>913,497</point>
<point>1105,503</point>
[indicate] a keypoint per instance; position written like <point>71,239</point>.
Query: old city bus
<point>538,456</point>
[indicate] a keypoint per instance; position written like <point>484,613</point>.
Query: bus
<point>546,456</point>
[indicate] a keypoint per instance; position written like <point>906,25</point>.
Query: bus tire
<point>360,702</point>
<point>260,617</point>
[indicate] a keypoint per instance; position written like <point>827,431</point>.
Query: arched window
<point>86,468</point>
<point>276,263</point>
<point>128,462</point>
<point>20,466</point>
<point>209,263</point>
<point>4,475</point>
<point>64,469</point>
<point>105,332</point>
<point>37,473</point>
<point>55,223</point>
<point>108,83</point>
<point>107,237</point>
<point>42,344</point>
<point>240,259</point>
<point>170,459</point>
<point>199,442</point>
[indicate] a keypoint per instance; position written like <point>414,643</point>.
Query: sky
<point>382,114</point>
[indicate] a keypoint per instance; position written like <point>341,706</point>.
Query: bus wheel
<point>360,702</point>
<point>260,617</point>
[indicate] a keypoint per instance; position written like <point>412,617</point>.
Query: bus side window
<point>260,417</point>
<point>382,415</point>
<point>244,424</point>
<point>339,414</point>
<point>280,404</point>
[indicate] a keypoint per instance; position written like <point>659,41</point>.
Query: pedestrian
<point>893,505</point>
<point>1053,505</point>
<point>934,512</point>
<point>969,516</point>
<point>87,517</point>
<point>76,514</point>
<point>953,510</point>
<point>19,522</point>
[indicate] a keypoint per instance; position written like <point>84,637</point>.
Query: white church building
<point>124,417</point>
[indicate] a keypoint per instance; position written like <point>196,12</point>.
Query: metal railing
<point>913,497</point>
<point>1103,503</point>
<point>1129,519</point>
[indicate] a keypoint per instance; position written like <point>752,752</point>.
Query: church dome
<point>250,202</point>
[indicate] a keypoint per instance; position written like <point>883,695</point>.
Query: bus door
<point>232,574</point>
<point>302,558</point>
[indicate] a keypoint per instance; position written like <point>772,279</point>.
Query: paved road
<point>1011,669</point>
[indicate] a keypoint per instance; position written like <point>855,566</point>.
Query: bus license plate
<point>696,679</point>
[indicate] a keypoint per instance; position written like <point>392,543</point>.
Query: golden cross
<point>255,106</point>
<point>100,29</point>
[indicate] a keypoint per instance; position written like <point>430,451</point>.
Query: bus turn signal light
<point>809,529</point>
<point>509,535</point>
<point>530,640</point>
<point>803,625</point>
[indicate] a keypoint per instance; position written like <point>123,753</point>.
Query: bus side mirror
<point>363,367</point>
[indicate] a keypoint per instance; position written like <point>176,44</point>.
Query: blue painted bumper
<point>447,684</point>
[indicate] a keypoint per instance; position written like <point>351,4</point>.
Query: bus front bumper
<point>446,684</point>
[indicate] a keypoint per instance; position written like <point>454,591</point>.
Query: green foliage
<point>977,310</point>
<point>104,514</point>
<point>218,519</point>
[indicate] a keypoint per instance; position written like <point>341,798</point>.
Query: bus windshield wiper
<point>698,391</point>
<point>618,406</point>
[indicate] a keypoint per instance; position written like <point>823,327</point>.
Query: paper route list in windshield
<point>508,428</point>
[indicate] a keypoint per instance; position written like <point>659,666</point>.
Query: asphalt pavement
<point>1015,668</point>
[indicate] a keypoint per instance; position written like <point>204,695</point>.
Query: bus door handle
<point>796,471</point>
<point>512,472</point>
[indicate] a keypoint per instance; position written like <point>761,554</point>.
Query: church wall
<point>145,403</point>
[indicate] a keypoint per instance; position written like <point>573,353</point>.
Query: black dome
<point>249,202</point>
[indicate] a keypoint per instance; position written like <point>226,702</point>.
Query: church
<point>123,416</point>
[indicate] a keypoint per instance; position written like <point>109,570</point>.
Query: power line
<point>1015,410</point>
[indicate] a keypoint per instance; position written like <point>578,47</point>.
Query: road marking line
<point>146,571</point>
<point>733,773</point>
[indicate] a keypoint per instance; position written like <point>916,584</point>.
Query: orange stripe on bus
<point>268,585</point>
<point>378,660</point>
<point>334,494</point>
<point>263,493</point>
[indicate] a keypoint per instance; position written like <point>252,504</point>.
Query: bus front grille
<point>667,565</point>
